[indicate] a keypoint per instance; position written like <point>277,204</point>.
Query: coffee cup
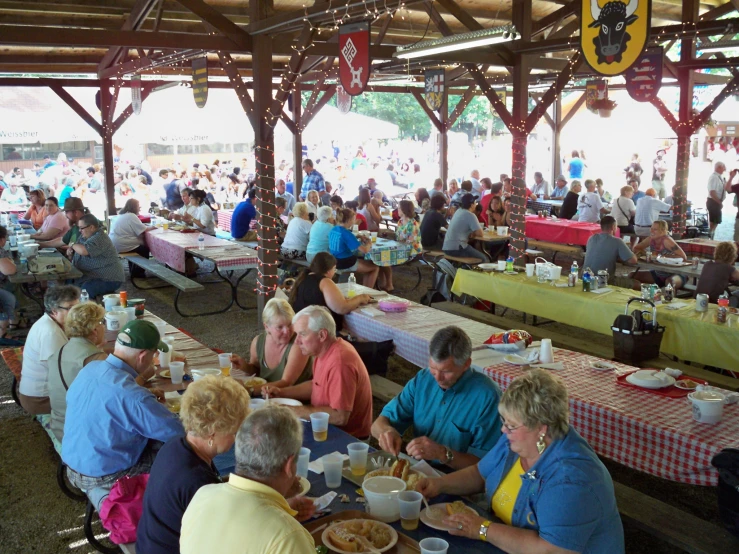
<point>708,406</point>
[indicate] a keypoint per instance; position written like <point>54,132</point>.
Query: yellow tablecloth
<point>689,335</point>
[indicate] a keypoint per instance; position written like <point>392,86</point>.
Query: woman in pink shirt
<point>55,224</point>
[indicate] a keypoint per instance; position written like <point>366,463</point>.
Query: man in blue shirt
<point>560,189</point>
<point>452,408</point>
<point>638,194</point>
<point>242,217</point>
<point>114,426</point>
<point>281,192</point>
<point>312,180</point>
<point>576,166</point>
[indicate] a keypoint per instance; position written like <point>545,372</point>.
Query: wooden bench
<point>602,349</point>
<point>384,389</point>
<point>675,527</point>
<point>556,248</point>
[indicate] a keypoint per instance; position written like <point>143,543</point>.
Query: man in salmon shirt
<point>340,385</point>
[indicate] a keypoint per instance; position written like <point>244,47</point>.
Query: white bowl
<point>286,401</point>
<point>382,497</point>
<point>198,374</point>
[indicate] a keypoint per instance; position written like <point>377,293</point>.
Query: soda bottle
<point>84,296</point>
<point>723,308</point>
<point>352,285</point>
<point>572,278</point>
<point>201,242</point>
<point>123,295</point>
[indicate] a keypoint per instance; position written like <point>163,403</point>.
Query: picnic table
<point>645,431</point>
<point>338,441</point>
<point>27,278</point>
<point>388,252</point>
<point>689,335</point>
<point>411,331</point>
<point>562,231</point>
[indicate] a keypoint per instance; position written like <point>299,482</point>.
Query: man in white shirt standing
<point>647,212</point>
<point>590,206</point>
<point>475,179</point>
<point>716,195</point>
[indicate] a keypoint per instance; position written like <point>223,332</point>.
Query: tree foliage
<point>400,109</point>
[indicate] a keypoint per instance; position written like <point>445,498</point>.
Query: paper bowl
<point>198,374</point>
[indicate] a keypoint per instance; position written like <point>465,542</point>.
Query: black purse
<point>374,354</point>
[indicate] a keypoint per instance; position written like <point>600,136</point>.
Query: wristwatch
<point>484,526</point>
<point>449,455</point>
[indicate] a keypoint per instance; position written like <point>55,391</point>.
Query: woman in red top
<point>361,221</point>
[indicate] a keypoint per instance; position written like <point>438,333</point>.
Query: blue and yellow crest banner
<point>613,33</point>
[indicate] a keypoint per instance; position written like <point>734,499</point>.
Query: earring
<point>540,444</point>
<point>210,443</point>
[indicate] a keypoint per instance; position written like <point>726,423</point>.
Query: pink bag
<point>121,510</point>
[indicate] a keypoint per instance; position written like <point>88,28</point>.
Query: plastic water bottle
<point>84,296</point>
<point>24,264</point>
<point>723,308</point>
<point>13,238</point>
<point>509,264</point>
<point>201,242</point>
<point>352,285</point>
<point>572,279</point>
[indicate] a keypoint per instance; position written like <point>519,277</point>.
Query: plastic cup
<point>332,466</point>
<point>373,234</point>
<point>319,424</point>
<point>433,545</point>
<point>409,503</point>
<point>165,358</point>
<point>355,228</point>
<point>177,371</point>
<point>546,354</point>
<point>224,362</point>
<point>303,461</point>
<point>501,265</point>
<point>358,457</point>
<point>530,268</point>
<point>130,313</point>
<point>161,327</point>
<point>502,230</point>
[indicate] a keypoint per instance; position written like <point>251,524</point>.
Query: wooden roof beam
<point>134,22</point>
<point>555,17</point>
<point>77,107</point>
<point>220,22</point>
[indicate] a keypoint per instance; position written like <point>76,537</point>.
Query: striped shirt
<point>102,262</point>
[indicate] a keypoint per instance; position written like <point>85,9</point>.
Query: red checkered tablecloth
<point>644,431</point>
<point>704,248</point>
<point>224,220</point>
<point>411,331</point>
<point>169,248</point>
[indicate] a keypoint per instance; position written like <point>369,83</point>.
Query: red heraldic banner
<point>354,57</point>
<point>644,78</point>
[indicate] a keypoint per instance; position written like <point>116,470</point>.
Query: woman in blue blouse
<point>344,246</point>
<point>548,490</point>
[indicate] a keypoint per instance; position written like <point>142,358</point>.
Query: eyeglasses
<point>85,227</point>
<point>64,307</point>
<point>511,428</point>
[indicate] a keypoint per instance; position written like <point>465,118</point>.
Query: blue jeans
<point>97,287</point>
<point>467,252</point>
<point>7,304</point>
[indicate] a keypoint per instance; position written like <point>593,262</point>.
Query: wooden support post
<point>556,148</point>
<point>264,153</point>
<point>443,141</point>
<point>107,106</point>
<point>297,143</point>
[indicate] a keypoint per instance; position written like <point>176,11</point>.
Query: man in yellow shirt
<point>249,514</point>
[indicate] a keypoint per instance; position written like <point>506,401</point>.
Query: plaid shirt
<point>314,181</point>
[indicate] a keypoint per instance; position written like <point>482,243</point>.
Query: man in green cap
<point>114,427</point>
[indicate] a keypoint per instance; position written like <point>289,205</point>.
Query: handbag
<point>122,508</point>
<point>374,354</point>
<point>631,219</point>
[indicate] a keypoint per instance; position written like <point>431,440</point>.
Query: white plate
<point>47,251</point>
<point>286,401</point>
<point>304,486</point>
<point>198,374</point>
<point>488,267</point>
<point>165,374</point>
<point>646,379</point>
<point>602,366</point>
<point>327,541</point>
<point>679,385</point>
<point>515,359</point>
<point>439,511</point>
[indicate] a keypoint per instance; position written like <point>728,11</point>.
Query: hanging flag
<point>200,81</point>
<point>136,94</point>
<point>595,90</point>
<point>354,57</point>
<point>343,100</point>
<point>644,78</point>
<point>613,34</point>
<point>434,87</point>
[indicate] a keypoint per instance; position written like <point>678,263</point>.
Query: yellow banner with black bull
<point>200,81</point>
<point>613,33</point>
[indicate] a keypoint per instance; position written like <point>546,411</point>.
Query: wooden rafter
<point>418,95</point>
<point>383,30</point>
<point>573,110</point>
<point>555,17</point>
<point>459,108</point>
<point>229,67</point>
<point>308,116</point>
<point>492,97</point>
<point>707,112</point>
<point>288,122</point>
<point>77,107</point>
<point>665,112</point>
<point>557,87</point>
<point>217,20</point>
<point>133,22</point>
<point>125,114</point>
<point>537,100</point>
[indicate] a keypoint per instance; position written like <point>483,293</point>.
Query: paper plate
<point>686,384</point>
<point>602,366</point>
<point>327,540</point>
<point>515,359</point>
<point>671,261</point>
<point>166,374</point>
<point>488,267</point>
<point>304,486</point>
<point>198,374</point>
<point>647,379</point>
<point>439,513</point>
<point>286,401</point>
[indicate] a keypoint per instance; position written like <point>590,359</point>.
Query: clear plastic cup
<point>177,371</point>
<point>224,362</point>
<point>303,461</point>
<point>358,457</point>
<point>433,545</point>
<point>332,466</point>
<point>319,424</point>
<point>409,503</point>
<point>161,327</point>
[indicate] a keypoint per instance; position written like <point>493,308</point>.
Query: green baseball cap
<point>141,335</point>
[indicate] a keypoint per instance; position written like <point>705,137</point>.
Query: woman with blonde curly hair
<point>85,328</point>
<point>543,482</point>
<point>212,410</point>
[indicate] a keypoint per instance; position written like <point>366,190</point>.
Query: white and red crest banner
<point>354,57</point>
